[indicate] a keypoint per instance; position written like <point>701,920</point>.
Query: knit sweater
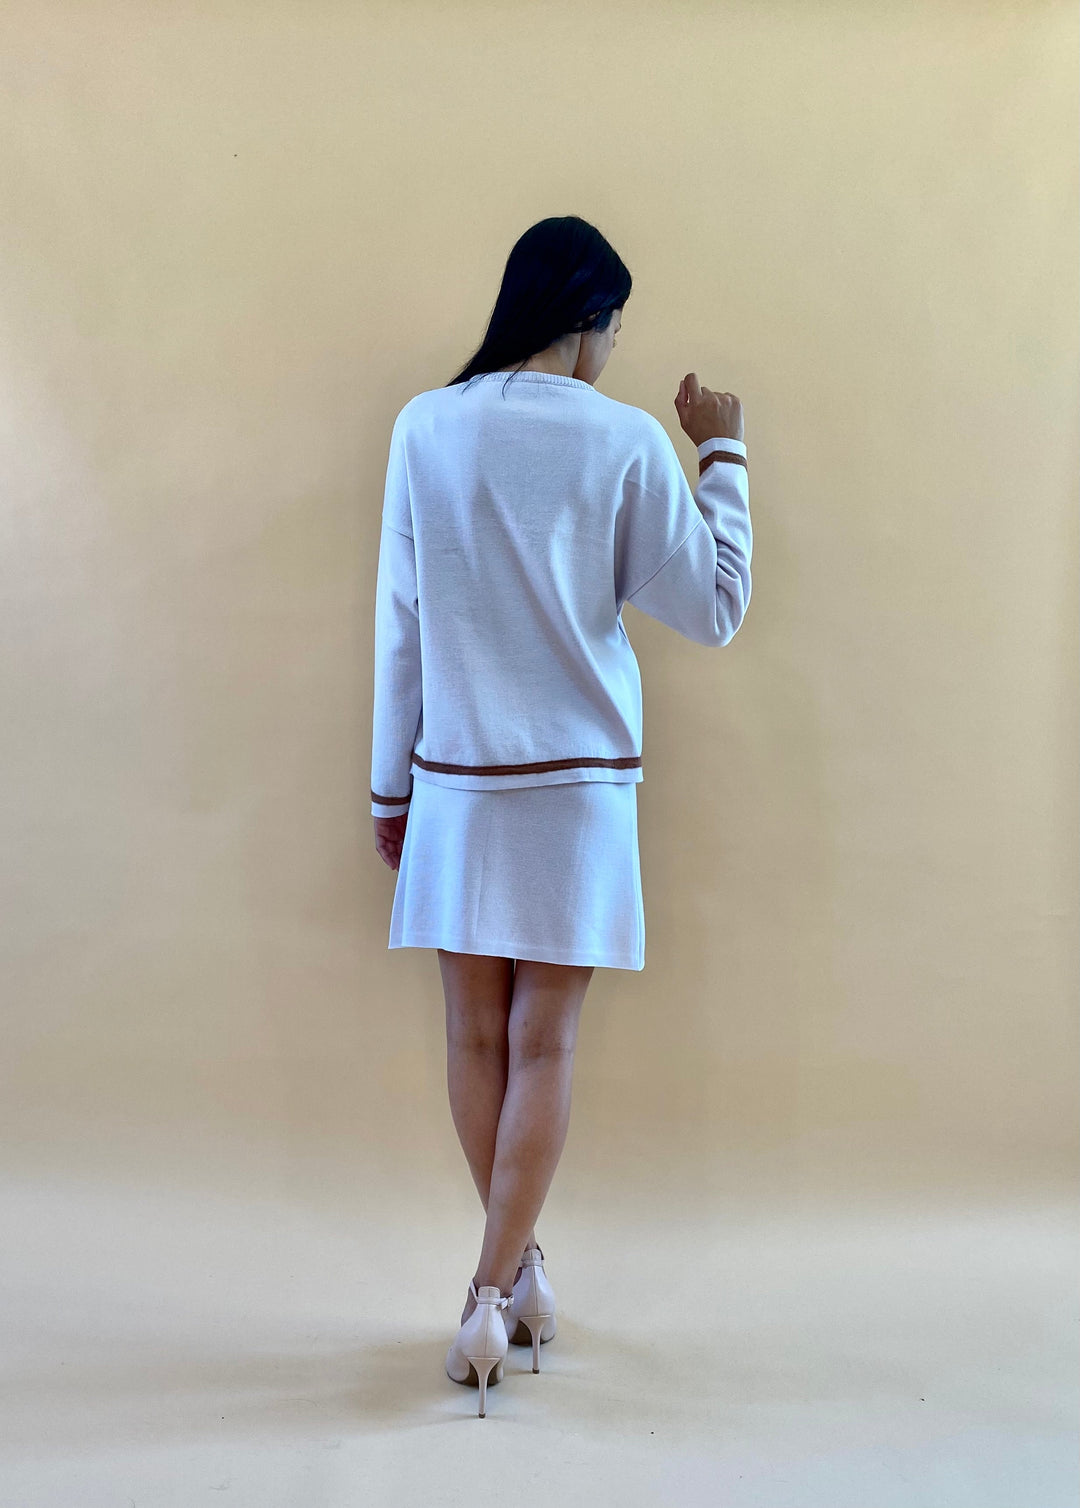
<point>518,518</point>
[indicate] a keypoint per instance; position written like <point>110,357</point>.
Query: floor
<point>166,1347</point>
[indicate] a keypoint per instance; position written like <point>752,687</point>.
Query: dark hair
<point>561,277</point>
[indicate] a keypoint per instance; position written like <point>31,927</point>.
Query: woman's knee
<point>478,990</point>
<point>545,1010</point>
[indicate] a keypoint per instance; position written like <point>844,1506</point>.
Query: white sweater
<point>514,527</point>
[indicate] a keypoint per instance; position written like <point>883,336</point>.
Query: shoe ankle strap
<point>500,1303</point>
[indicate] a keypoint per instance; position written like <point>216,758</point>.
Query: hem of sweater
<point>576,773</point>
<point>503,948</point>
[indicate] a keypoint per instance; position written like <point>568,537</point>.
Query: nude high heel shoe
<point>531,1315</point>
<point>481,1342</point>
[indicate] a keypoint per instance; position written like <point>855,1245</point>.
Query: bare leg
<point>478,990</point>
<point>544,1013</point>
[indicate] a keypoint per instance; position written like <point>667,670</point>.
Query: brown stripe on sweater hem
<point>629,762</point>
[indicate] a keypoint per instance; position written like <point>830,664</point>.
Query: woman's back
<point>519,515</point>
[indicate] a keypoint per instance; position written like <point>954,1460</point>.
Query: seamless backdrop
<point>235,241</point>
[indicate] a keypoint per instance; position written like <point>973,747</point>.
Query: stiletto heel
<point>532,1306</point>
<point>483,1365</point>
<point>479,1350</point>
<point>535,1322</point>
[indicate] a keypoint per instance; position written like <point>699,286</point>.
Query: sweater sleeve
<point>692,550</point>
<point>397,697</point>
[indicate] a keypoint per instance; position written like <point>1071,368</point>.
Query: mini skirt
<point>547,872</point>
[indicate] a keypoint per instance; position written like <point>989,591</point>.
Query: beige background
<point>814,1222</point>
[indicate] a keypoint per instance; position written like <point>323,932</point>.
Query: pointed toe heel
<point>479,1350</point>
<point>532,1306</point>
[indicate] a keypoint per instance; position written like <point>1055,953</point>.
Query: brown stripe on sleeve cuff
<point>720,455</point>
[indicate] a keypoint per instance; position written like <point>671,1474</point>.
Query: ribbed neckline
<point>536,377</point>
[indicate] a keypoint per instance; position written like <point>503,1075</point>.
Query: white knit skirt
<point>548,872</point>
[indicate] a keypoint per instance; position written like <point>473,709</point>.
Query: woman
<point>522,509</point>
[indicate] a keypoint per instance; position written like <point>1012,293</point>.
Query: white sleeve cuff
<point>382,810</point>
<point>716,442</point>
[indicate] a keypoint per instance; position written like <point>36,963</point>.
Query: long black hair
<point>562,277</point>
